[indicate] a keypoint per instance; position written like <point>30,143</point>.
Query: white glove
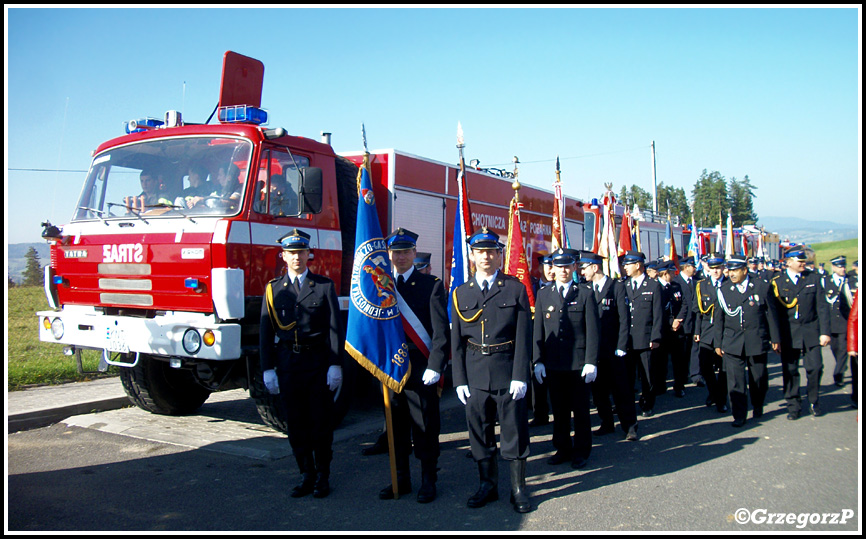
<point>271,382</point>
<point>430,377</point>
<point>463,393</point>
<point>620,353</point>
<point>335,377</point>
<point>517,390</point>
<point>589,372</point>
<point>540,372</point>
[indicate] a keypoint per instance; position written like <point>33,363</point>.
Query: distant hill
<point>805,231</point>
<point>17,262</point>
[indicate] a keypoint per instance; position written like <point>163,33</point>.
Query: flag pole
<point>386,395</point>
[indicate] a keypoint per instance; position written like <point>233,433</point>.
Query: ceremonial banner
<point>375,335</point>
<point>694,248</point>
<point>515,253</point>
<point>625,243</point>
<point>729,240</point>
<point>607,248</point>
<point>462,230</point>
<point>671,245</point>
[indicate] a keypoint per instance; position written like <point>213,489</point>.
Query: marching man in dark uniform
<point>745,326</point>
<point>300,341</point>
<point>491,344</point>
<point>613,376</point>
<point>804,324</point>
<point>676,310</point>
<point>564,353</point>
<point>840,298</point>
<point>538,393</point>
<point>712,367</point>
<point>645,332</point>
<point>416,408</point>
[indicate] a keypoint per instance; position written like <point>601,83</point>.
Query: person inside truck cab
<point>284,199</point>
<point>151,192</point>
<point>227,191</point>
<point>198,189</point>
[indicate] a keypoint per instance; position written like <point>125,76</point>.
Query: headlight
<point>57,328</point>
<point>191,341</point>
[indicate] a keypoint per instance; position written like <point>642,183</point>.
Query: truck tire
<point>347,201</point>
<point>269,407</point>
<point>154,386</point>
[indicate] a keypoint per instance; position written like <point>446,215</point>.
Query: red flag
<point>625,234</point>
<point>515,254</point>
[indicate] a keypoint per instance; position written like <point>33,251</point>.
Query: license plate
<point>117,341</point>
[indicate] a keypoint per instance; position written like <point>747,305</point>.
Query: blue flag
<point>460,250</point>
<point>375,335</point>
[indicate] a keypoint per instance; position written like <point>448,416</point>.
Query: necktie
<point>296,284</point>
<point>400,281</point>
<point>634,285</point>
<point>484,289</point>
<point>563,291</point>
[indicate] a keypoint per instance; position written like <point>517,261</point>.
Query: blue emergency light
<point>243,114</point>
<point>143,124</point>
<point>191,283</point>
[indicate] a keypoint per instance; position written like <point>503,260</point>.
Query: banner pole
<point>389,429</point>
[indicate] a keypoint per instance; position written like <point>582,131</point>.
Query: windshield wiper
<point>128,209</point>
<point>99,213</point>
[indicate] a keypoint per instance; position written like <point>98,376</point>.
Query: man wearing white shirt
<point>839,296</point>
<point>564,354</point>
<point>491,340</point>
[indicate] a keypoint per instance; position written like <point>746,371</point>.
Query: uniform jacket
<point>613,317</point>
<point>804,315</point>
<point>745,324</point>
<point>688,289</point>
<point>673,304</point>
<point>503,316</point>
<point>425,295</point>
<point>839,300</point>
<point>312,323</point>
<point>645,306</point>
<point>704,306</point>
<point>566,330</point>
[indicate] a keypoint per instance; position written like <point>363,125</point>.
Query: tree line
<point>712,198</point>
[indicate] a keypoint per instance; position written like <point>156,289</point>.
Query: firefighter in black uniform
<point>538,397</point>
<point>416,408</point>
<point>712,367</point>
<point>746,327</point>
<point>840,298</point>
<point>491,349</point>
<point>676,310</point>
<point>300,340</point>
<point>804,324</point>
<point>645,331</point>
<point>564,353</point>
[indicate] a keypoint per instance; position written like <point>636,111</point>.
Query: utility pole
<point>655,189</point>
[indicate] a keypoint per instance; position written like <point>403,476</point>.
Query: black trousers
<point>415,414</point>
<point>813,363</point>
<point>309,406</point>
<point>758,382</point>
<point>839,346</point>
<point>642,360</point>
<point>613,379</point>
<point>713,373</point>
<point>482,410</point>
<point>680,359</point>
<point>569,396</point>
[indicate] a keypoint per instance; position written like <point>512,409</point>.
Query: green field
<point>31,361</point>
<point>824,252</point>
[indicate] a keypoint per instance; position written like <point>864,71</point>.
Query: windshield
<point>171,177</point>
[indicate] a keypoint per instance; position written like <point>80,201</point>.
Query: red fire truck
<point>174,238</point>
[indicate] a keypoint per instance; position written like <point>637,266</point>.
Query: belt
<point>487,349</point>
<point>298,348</point>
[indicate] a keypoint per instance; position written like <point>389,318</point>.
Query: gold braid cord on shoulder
<point>778,295</point>
<point>269,294</point>
<point>456,308</point>
<point>700,303</point>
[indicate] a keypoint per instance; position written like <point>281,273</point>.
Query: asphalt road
<point>690,471</point>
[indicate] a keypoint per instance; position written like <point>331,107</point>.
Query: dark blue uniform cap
<point>652,264</point>
<point>666,265</point>
<point>632,257</point>
<point>484,239</point>
<point>295,240</point>
<point>688,261</point>
<point>735,262</point>
<point>564,257</point>
<point>544,259</point>
<point>796,252</point>
<point>401,239</point>
<point>588,257</point>
<point>422,261</point>
<point>715,260</point>
<point>840,261</point>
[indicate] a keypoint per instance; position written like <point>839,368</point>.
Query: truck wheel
<point>270,407</point>
<point>154,386</point>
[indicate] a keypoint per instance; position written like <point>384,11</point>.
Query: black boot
<point>488,472</point>
<point>427,492</point>
<point>308,475</point>
<point>519,494</point>
<point>323,472</point>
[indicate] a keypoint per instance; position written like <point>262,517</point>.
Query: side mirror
<point>310,190</point>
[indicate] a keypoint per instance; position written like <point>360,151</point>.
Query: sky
<point>770,93</point>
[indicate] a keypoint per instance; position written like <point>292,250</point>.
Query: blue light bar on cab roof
<point>143,124</point>
<point>243,114</point>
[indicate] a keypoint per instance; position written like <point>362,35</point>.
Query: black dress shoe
<point>558,458</point>
<point>757,413</point>
<point>647,413</point>
<point>427,493</point>
<point>539,421</point>
<point>709,401</point>
<point>305,488</point>
<point>816,410</point>
<point>485,494</point>
<point>375,449</point>
<point>387,493</point>
<point>604,429</point>
<point>578,463</point>
<point>632,434</point>
<point>679,393</point>
<point>738,423</point>
<point>792,416</point>
<point>722,408</point>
